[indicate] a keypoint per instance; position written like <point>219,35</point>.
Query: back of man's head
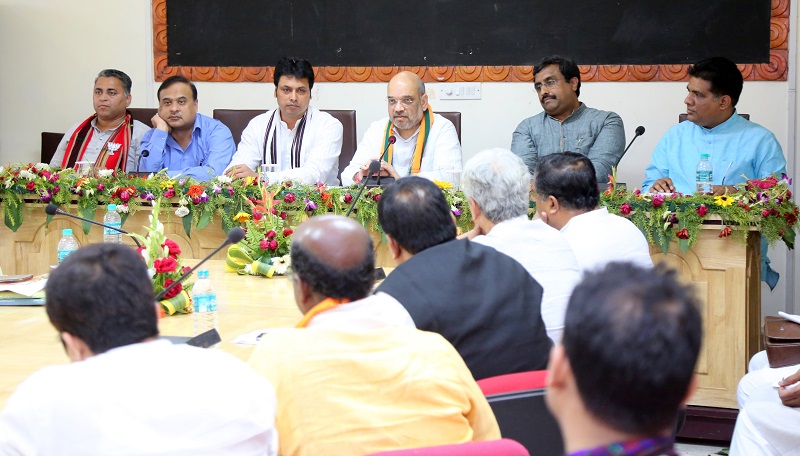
<point>723,74</point>
<point>415,213</point>
<point>632,337</point>
<point>295,68</point>
<point>333,255</point>
<point>103,295</point>
<point>570,178</point>
<point>124,79</point>
<point>177,79</point>
<point>499,182</point>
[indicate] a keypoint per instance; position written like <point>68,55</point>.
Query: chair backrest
<point>684,116</point>
<point>349,136</point>
<point>454,117</point>
<point>517,401</point>
<point>502,447</point>
<point>236,120</point>
<point>50,143</point>
<point>143,115</point>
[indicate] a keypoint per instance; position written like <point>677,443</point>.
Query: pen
<point>726,173</point>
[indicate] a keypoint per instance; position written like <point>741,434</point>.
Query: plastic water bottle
<point>205,304</point>
<point>66,245</point>
<point>704,175</point>
<point>112,218</point>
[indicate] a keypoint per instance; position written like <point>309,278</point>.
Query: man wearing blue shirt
<point>738,149</point>
<point>183,141</point>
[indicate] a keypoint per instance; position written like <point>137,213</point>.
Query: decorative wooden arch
<point>775,70</point>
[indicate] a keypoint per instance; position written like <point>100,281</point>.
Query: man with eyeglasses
<point>425,143</point>
<point>567,124</point>
<point>735,146</point>
<point>301,140</point>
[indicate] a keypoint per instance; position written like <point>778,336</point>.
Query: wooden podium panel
<point>726,276</point>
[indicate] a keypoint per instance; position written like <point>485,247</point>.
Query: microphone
<point>145,153</point>
<point>52,209</point>
<point>392,139</point>
<point>234,236</point>
<point>639,132</point>
<point>374,167</point>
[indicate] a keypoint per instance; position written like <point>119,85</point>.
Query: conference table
<point>245,303</point>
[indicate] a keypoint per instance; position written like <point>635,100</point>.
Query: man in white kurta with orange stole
<point>355,376</point>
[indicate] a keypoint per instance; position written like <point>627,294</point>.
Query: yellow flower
<point>249,180</point>
<point>723,200</point>
<point>241,217</point>
<point>167,184</point>
<point>444,185</point>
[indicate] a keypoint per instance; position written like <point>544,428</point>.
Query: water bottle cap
<point>66,232</point>
<point>202,274</point>
<point>112,208</point>
<point>702,156</point>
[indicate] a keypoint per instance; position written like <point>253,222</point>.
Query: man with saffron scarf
<point>301,140</point>
<point>425,142</point>
<point>110,137</point>
<point>356,376</point>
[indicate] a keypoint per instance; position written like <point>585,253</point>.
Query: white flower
<point>89,191</point>
<point>2,168</point>
<point>151,272</point>
<point>183,202</point>
<point>123,208</point>
<point>160,227</point>
<point>105,172</point>
<point>27,174</point>
<point>38,166</point>
<point>9,183</point>
<point>182,211</point>
<point>224,179</point>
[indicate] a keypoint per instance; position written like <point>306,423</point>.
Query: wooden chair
<point>50,143</point>
<point>454,117</point>
<point>236,120</point>
<point>143,115</point>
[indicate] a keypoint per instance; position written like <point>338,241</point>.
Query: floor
<point>692,449</point>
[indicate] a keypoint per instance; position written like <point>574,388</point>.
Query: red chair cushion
<point>508,383</point>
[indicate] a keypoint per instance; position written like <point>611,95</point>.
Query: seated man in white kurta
<point>496,184</point>
<point>302,141</point>
<point>425,143</point>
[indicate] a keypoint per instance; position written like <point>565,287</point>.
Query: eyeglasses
<point>549,83</point>
<point>406,101</point>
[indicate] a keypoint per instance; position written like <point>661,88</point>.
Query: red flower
<point>174,249</point>
<point>791,219</point>
<point>682,234</point>
<point>289,198</point>
<point>287,232</point>
<point>702,210</point>
<point>725,232</point>
<point>167,264</point>
<point>257,215</point>
<point>658,199</point>
<point>169,193</point>
<point>283,215</point>
<point>625,209</point>
<point>195,191</point>
<point>348,198</point>
<point>765,213</point>
<point>273,245</point>
<point>271,234</point>
<point>173,292</point>
<point>186,269</point>
<point>31,186</point>
<point>264,244</point>
<point>637,192</point>
<point>377,197</point>
<point>101,187</point>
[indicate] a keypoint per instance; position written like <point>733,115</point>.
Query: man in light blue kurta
<point>183,141</point>
<point>738,149</point>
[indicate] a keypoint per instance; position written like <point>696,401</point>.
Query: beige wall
<point>52,49</point>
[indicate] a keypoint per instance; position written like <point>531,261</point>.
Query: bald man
<point>425,142</point>
<point>355,376</point>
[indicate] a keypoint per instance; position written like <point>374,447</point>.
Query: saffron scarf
<point>419,149</point>
<point>324,306</point>
<point>113,154</point>
<point>297,142</point>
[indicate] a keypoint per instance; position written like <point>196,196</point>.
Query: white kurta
<point>151,398</point>
<point>319,154</point>
<point>442,151</point>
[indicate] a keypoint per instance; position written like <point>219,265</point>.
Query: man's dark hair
<point>723,74</point>
<point>570,177</point>
<point>127,84</point>
<point>172,80</point>
<point>297,68</point>
<point>103,295</point>
<point>414,212</point>
<point>632,336</point>
<point>330,280</point>
<point>567,67</point>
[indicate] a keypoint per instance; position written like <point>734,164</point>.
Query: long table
<point>725,274</point>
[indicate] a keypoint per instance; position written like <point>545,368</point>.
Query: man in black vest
<point>482,301</point>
